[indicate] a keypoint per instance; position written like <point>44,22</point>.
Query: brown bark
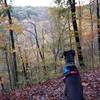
<point>77,39</point>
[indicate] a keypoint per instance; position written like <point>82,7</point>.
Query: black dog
<point>72,80</point>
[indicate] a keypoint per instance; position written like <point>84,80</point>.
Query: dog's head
<point>69,56</point>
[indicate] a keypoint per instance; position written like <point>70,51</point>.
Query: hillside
<point>35,13</point>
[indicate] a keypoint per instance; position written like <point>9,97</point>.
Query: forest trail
<point>53,89</point>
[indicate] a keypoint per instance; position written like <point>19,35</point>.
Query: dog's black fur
<point>73,87</point>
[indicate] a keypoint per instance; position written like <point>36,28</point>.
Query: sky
<point>35,3</point>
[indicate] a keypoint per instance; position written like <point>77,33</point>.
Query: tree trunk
<point>8,68</point>
<point>13,46</point>
<point>92,46</point>
<point>80,20</point>
<point>22,60</point>
<point>69,29</point>
<point>77,39</point>
<point>40,53</point>
<point>23,65</point>
<point>98,26</point>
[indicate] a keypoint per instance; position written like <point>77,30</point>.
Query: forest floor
<point>53,89</point>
